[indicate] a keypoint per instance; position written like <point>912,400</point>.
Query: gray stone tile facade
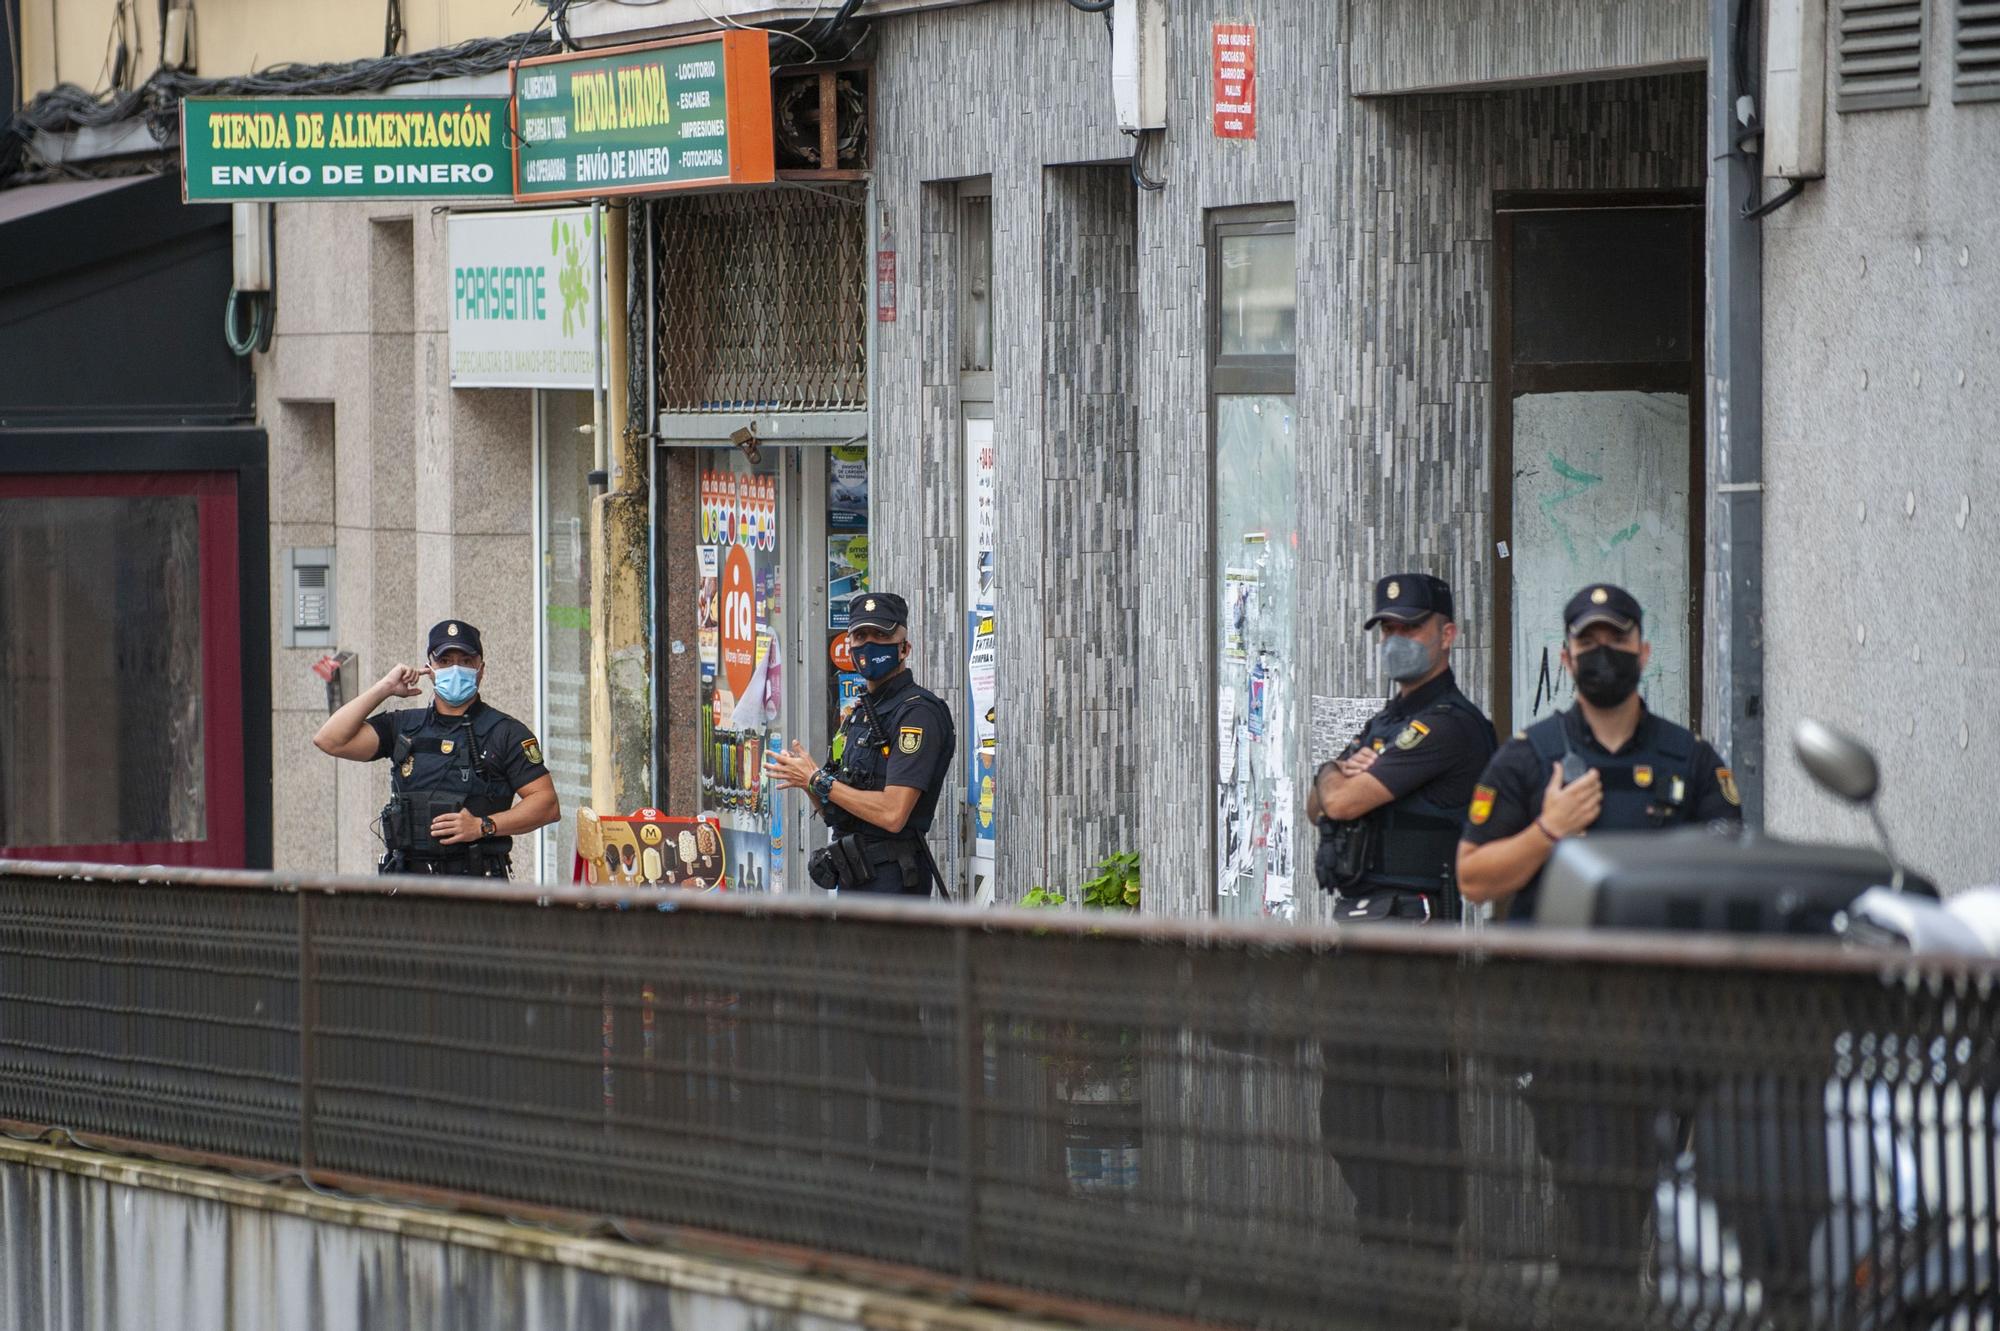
<point>1394,207</point>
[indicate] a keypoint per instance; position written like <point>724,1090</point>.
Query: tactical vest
<point>438,764</point>
<point>863,762</point>
<point>1410,844</point>
<point>1650,785</point>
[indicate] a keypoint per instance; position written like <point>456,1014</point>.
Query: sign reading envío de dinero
<point>642,119</point>
<point>242,150</point>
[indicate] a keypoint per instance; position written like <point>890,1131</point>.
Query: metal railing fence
<point>1234,1124</point>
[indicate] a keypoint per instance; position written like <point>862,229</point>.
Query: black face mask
<point>1606,676</point>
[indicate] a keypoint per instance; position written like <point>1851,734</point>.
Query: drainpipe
<point>620,672</point>
<point>1735,408</point>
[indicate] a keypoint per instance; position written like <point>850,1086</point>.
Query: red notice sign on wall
<point>1235,83</point>
<point>1235,80</point>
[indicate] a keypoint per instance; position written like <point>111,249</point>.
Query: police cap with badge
<point>1410,598</point>
<point>878,610</point>
<point>448,634</point>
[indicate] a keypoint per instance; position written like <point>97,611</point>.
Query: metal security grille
<point>1245,1125</point>
<point>1881,54</point>
<point>1976,51</point>
<point>763,301</point>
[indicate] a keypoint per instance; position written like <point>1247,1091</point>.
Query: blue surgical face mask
<point>455,684</point>
<point>877,660</point>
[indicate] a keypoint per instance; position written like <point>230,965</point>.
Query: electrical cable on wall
<point>393,31</point>
<point>66,107</point>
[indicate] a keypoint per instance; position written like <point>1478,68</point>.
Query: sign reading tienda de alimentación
<point>643,119</point>
<point>278,148</point>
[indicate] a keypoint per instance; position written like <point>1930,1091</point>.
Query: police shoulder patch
<point>1727,780</point>
<point>910,739</point>
<point>1482,804</point>
<point>533,748</point>
<point>1413,735</point>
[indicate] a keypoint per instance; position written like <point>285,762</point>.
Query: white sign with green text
<point>523,299</point>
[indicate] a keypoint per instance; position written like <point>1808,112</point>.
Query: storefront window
<point>567,455</point>
<point>101,683</point>
<point>1256,565</point>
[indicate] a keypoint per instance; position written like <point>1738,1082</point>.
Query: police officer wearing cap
<point>457,765</point>
<point>891,755</point>
<point>1389,808</point>
<point>1606,764</point>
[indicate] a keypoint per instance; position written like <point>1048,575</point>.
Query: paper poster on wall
<point>981,514</point>
<point>708,627</point>
<point>982,675</point>
<point>1335,723</point>
<point>846,574</point>
<point>978,583</point>
<point>1239,609</point>
<point>847,488</point>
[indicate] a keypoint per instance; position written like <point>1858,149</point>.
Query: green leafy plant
<point>1113,886</point>
<point>1116,884</point>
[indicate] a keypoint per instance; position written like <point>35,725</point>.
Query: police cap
<point>1602,603</point>
<point>879,610</point>
<point>449,633</point>
<point>1410,597</point>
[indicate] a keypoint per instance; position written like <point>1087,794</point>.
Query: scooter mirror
<point>1838,762</point>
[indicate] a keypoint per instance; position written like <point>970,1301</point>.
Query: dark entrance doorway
<point>1598,457</point>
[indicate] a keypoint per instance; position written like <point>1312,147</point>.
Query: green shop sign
<point>344,148</point>
<point>642,119</point>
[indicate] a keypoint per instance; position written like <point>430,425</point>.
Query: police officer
<point>1390,805</point>
<point>456,765</point>
<point>1389,809</point>
<point>890,759</point>
<point>1606,764</point>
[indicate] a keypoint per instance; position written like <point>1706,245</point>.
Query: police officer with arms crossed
<point>1389,809</point>
<point>1606,764</point>
<point>457,764</point>
<point>890,758</point>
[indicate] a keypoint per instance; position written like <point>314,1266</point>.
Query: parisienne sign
<point>642,119</point>
<point>524,290</point>
<point>344,148</point>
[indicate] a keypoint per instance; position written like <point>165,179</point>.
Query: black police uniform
<point>1381,1099</point>
<point>900,734</point>
<point>1601,1152</point>
<point>1397,862</point>
<point>476,761</point>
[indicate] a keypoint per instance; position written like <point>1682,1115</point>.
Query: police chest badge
<point>446,746</point>
<point>533,748</point>
<point>1642,777</point>
<point>910,739</point>
<point>1482,804</point>
<point>1727,780</point>
<point>409,765</point>
<point>1413,735</point>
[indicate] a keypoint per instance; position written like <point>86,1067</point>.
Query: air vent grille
<point>1976,52</point>
<point>1881,54</point>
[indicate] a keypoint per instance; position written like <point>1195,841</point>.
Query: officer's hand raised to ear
<point>1569,809</point>
<point>403,681</point>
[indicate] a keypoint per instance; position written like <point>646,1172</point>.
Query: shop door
<point>121,735</point>
<point>781,544</point>
<point>1598,436</point>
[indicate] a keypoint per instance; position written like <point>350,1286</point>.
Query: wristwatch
<point>821,785</point>
<point>486,827</point>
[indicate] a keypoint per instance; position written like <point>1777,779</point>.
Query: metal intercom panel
<point>309,586</point>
